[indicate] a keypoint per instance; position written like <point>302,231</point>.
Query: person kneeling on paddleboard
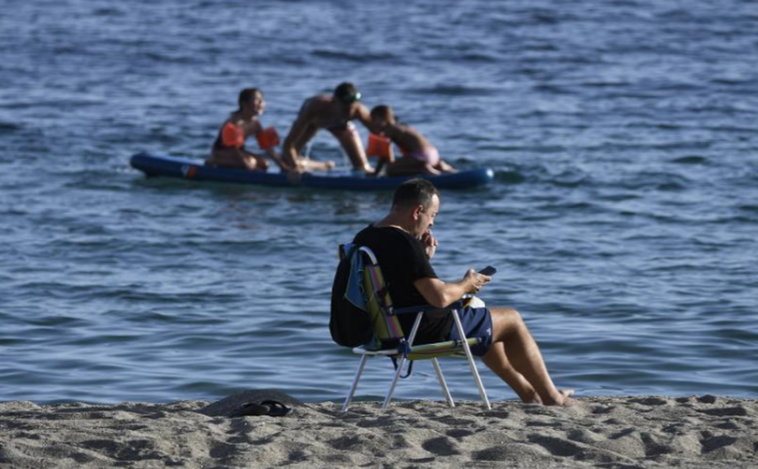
<point>419,156</point>
<point>229,148</point>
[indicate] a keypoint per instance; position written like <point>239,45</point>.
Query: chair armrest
<point>428,308</point>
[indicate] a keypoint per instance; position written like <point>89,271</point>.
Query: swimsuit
<point>428,155</point>
<point>476,322</point>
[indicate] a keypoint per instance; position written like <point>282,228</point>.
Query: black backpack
<point>349,325</point>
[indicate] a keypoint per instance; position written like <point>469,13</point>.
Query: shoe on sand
<point>268,407</point>
<point>276,408</point>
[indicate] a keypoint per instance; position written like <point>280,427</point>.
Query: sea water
<point>622,219</point>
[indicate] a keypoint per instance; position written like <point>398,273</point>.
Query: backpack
<point>349,325</point>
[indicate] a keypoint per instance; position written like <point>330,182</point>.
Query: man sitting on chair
<point>403,244</point>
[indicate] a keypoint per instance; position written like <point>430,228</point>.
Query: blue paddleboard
<point>154,165</point>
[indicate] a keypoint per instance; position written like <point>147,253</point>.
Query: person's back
<point>320,111</point>
<point>407,138</point>
<point>419,156</point>
<point>403,260</point>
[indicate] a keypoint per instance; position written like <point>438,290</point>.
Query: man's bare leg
<point>429,169</point>
<point>350,140</point>
<point>304,163</point>
<point>497,361</point>
<point>311,165</point>
<point>516,358</point>
<point>236,158</point>
<point>298,146</point>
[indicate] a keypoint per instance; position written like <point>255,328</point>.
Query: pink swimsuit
<point>428,155</point>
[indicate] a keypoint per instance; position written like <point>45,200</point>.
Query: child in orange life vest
<point>229,148</point>
<point>419,156</point>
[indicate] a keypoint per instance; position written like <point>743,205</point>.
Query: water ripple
<point>621,218</point>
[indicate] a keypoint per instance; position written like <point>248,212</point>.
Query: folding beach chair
<point>388,338</point>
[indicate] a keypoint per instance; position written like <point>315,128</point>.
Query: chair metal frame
<point>397,353</point>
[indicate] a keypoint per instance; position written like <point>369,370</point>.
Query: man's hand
<point>277,159</point>
<point>475,281</point>
<point>430,243</point>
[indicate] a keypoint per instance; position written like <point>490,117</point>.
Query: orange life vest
<point>232,136</point>
<point>378,146</point>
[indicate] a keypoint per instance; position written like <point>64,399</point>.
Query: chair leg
<point>471,363</point>
<point>399,372</point>
<point>357,378</point>
<point>402,362</point>
<point>445,389</point>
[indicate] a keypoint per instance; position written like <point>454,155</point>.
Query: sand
<point>607,432</point>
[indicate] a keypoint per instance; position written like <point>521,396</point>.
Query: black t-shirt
<point>403,261</point>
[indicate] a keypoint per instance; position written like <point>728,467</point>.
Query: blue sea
<point>622,220</point>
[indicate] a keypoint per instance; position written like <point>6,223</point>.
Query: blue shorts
<point>476,322</point>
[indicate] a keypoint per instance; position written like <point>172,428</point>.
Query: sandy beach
<point>607,432</point>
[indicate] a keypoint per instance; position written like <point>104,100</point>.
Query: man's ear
<point>417,211</point>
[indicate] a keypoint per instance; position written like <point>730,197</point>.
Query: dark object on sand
<point>268,407</point>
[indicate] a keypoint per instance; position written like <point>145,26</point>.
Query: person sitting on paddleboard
<point>419,156</point>
<point>335,113</point>
<point>229,148</point>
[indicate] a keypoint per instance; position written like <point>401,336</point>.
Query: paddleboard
<point>158,165</point>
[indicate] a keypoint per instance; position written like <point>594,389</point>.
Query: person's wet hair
<point>246,95</point>
<point>347,93</point>
<point>414,192</point>
<point>382,112</point>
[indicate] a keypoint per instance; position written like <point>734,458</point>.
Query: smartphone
<point>489,270</point>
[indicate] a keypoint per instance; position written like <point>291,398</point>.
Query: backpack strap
<point>345,250</point>
<point>410,367</point>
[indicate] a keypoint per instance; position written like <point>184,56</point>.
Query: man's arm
<point>440,294</point>
<point>363,115</point>
<point>277,159</point>
<point>289,152</point>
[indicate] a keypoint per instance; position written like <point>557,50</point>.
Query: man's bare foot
<point>533,398</point>
<point>563,398</point>
<point>368,169</point>
<point>431,171</point>
<point>566,399</point>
